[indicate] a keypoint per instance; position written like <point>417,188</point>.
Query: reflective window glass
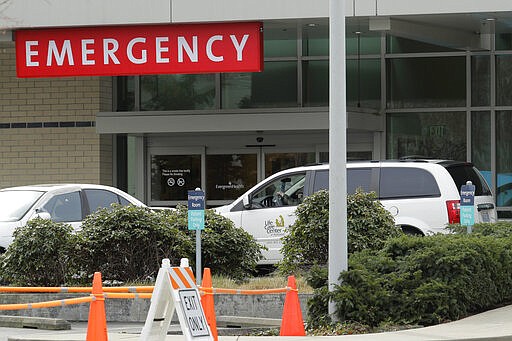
<point>177,92</point>
<point>280,41</point>
<point>315,39</point>
<point>172,176</point>
<point>363,83</point>
<point>504,41</point>
<point>426,82</point>
<point>403,45</point>
<point>65,208</point>
<point>403,182</point>
<point>125,93</point>
<point>276,86</point>
<point>504,80</point>
<point>438,135</point>
<point>284,191</point>
<point>230,175</point>
<point>362,44</point>
<point>480,80</point>
<point>359,178</point>
<point>503,158</point>
<point>315,87</point>
<point>98,198</point>
<point>481,143</point>
<point>275,162</point>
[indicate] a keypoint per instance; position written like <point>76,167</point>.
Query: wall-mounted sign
<point>138,50</point>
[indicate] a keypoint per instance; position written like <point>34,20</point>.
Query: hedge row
<point>421,280</point>
<point>126,244</point>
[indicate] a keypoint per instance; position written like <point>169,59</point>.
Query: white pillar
<point>338,259</point>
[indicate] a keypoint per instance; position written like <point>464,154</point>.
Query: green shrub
<point>227,250</point>
<point>41,255</point>
<point>306,243</point>
<point>128,243</point>
<point>499,229</point>
<point>425,280</point>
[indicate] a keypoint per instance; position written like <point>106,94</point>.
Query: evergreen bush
<point>306,243</point>
<point>42,254</point>
<point>421,281</point>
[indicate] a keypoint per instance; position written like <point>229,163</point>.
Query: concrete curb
<point>34,322</point>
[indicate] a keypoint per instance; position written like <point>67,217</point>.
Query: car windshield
<point>15,204</point>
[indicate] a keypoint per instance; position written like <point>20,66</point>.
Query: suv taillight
<point>453,207</point>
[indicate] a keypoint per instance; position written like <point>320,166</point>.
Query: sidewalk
<point>492,325</point>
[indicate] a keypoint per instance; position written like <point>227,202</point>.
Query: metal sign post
<point>467,206</point>
<point>196,222</point>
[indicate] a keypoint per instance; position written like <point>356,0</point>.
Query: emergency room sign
<point>139,50</point>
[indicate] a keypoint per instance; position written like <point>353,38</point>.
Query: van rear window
<point>401,182</point>
<point>466,172</point>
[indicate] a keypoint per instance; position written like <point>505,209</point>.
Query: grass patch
<point>272,281</point>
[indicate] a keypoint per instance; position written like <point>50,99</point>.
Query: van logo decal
<point>280,221</point>
<point>275,227</point>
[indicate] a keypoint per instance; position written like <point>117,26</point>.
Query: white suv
<point>423,196</point>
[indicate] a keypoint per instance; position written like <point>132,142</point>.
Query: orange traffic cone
<point>97,325</point>
<point>208,303</point>
<point>292,323</point>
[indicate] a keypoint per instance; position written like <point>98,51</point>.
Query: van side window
<point>396,183</point>
<point>359,178</point>
<point>356,178</point>
<point>321,180</point>
<point>284,191</point>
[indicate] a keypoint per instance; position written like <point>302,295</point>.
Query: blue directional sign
<point>196,210</point>
<point>467,204</point>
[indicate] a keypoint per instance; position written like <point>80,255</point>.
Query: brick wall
<point>47,127</point>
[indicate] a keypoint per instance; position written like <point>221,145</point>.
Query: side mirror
<point>42,214</point>
<point>245,201</point>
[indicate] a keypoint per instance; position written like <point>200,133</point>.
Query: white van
<point>423,196</point>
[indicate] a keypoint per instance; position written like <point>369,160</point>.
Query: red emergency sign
<point>138,50</point>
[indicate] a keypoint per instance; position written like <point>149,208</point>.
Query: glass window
<point>284,191</point>
<point>275,162</point>
<point>315,87</point>
<point>280,41</point>
<point>464,173</point>
<point>438,135</point>
<point>125,93</point>
<point>276,86</point>
<point>15,204</point>
<point>321,180</point>
<point>359,178</point>
<point>172,176</point>
<point>503,41</point>
<point>65,208</point>
<point>229,175</point>
<point>98,198</point>
<point>504,80</point>
<point>503,158</point>
<point>403,45</point>
<point>396,183</point>
<point>480,80</point>
<point>315,40</point>
<point>363,83</point>
<point>481,142</point>
<point>426,82</point>
<point>366,44</point>
<point>177,92</point>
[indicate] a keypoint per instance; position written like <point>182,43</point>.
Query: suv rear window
<point>402,182</point>
<point>466,172</point>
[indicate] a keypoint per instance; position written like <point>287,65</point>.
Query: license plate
<point>485,217</point>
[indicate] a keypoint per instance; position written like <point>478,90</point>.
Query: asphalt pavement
<point>491,325</point>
